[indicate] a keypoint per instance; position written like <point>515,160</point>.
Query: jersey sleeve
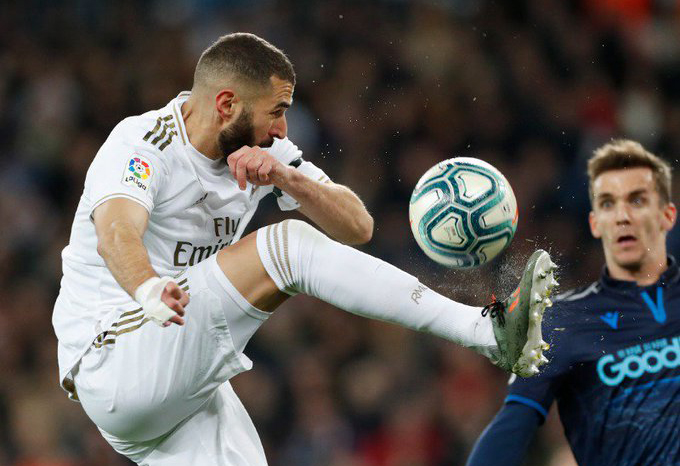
<point>538,392</point>
<point>288,154</point>
<point>507,438</point>
<point>285,200</point>
<point>123,167</point>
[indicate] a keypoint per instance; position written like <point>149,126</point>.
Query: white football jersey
<point>195,209</point>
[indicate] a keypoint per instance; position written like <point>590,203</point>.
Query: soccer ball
<point>463,212</point>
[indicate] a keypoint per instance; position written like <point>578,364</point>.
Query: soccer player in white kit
<point>157,238</point>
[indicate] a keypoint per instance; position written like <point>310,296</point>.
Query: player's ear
<point>669,215</point>
<point>594,227</point>
<point>226,103</point>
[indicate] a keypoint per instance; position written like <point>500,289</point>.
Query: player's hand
<point>162,301</point>
<point>175,298</point>
<point>254,165</point>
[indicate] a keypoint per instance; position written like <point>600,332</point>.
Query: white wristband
<point>284,150</point>
<point>312,171</point>
<point>288,202</point>
<point>148,295</point>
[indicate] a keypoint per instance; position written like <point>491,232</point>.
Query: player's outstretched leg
<point>517,319</point>
<point>300,259</point>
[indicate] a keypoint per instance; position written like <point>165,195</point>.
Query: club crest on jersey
<point>138,172</point>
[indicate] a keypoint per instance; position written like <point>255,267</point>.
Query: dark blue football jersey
<point>614,371</point>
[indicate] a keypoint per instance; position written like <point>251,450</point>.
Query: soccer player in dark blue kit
<point>614,369</point>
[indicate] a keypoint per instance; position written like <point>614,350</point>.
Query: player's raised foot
<point>517,319</point>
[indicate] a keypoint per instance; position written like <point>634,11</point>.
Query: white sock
<point>301,259</point>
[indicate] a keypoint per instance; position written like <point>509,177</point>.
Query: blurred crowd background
<point>385,90</point>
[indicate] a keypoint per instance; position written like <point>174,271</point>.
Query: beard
<point>240,133</point>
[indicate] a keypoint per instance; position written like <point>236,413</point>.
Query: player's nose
<point>279,128</point>
<point>622,213</point>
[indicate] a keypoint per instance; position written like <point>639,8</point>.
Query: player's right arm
<point>122,187</point>
<point>507,438</point>
<point>120,224</point>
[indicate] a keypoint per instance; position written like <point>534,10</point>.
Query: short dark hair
<point>624,153</point>
<point>246,57</point>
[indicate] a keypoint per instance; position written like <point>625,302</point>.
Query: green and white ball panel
<point>463,212</point>
<point>450,231</point>
<point>473,185</point>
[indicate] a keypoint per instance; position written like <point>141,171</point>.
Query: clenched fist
<point>254,165</point>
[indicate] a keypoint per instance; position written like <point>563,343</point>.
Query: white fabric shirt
<point>195,209</point>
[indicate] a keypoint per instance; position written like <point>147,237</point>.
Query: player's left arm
<point>335,208</point>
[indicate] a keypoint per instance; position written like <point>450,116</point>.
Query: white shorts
<point>161,395</point>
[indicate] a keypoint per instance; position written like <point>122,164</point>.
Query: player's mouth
<point>626,240</point>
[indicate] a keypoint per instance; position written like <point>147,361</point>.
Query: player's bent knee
<point>280,247</point>
<point>303,229</point>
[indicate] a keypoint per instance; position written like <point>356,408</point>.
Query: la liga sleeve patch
<point>138,172</point>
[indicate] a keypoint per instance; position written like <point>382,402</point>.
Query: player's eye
<point>606,204</point>
<point>638,200</point>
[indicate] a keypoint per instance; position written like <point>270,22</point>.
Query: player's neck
<point>648,274</point>
<point>198,127</point>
